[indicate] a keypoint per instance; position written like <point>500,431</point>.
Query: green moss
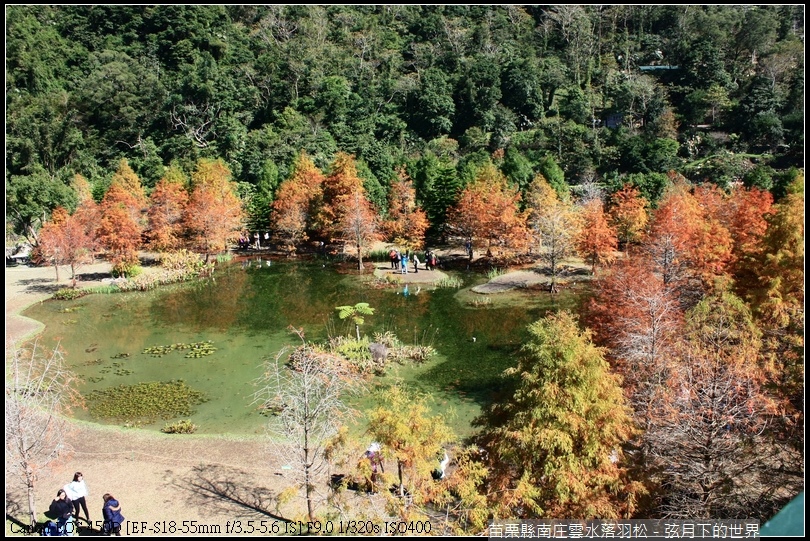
<point>196,349</point>
<point>144,402</point>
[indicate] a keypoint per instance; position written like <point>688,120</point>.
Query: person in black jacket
<point>62,509</point>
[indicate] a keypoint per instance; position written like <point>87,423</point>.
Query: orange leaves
<point>337,188</point>
<point>405,220</point>
<point>358,223</point>
<point>597,240</point>
<point>628,214</point>
<point>346,211</point>
<point>120,234</point>
<point>65,240</point>
<point>686,239</point>
<point>168,203</point>
<point>121,222</point>
<point>292,213</point>
<point>214,214</point>
<point>487,210</point>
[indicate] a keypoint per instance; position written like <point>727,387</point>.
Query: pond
<point>244,313</point>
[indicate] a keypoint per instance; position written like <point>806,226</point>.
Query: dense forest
<point>672,133</point>
<point>604,94</point>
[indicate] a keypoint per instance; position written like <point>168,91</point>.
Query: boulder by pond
<point>378,352</point>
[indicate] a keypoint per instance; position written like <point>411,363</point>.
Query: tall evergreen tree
<point>555,448</point>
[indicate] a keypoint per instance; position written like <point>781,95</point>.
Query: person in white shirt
<point>77,493</point>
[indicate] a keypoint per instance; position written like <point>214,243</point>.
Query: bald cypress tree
<point>555,448</point>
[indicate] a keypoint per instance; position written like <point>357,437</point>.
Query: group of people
<point>400,260</point>
<point>72,498</point>
<point>244,240</point>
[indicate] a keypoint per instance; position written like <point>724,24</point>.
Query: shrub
<point>103,289</point>
<point>68,294</point>
<point>128,270</point>
<point>378,256</point>
<point>353,350</point>
<point>481,301</point>
<point>180,427</point>
<point>181,260</point>
<point>388,339</point>
<point>449,282</point>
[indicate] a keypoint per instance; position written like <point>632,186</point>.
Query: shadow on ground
<point>93,276</point>
<point>222,490</point>
<point>40,285</point>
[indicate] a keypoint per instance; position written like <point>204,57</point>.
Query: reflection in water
<point>245,311</point>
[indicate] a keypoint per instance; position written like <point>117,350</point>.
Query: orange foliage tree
<point>341,183</point>
<point>167,204</point>
<point>638,317</point>
<point>214,214</point>
<point>686,241</point>
<point>122,222</point>
<point>358,223</point>
<point>487,211</point>
<point>597,240</point>
<point>64,240</point>
<point>406,223</point>
<point>778,301</point>
<point>88,212</point>
<point>745,215</point>
<point>297,199</point>
<point>628,214</point>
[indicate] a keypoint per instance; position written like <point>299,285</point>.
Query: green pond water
<point>245,312</point>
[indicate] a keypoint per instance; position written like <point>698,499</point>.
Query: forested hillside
<point>605,94</point>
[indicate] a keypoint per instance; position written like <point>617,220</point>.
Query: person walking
<point>392,255</point>
<point>76,492</point>
<point>113,519</point>
<point>415,263</point>
<point>404,263</point>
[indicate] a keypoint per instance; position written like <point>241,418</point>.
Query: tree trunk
<point>401,484</point>
<point>553,286</point>
<point>357,328</point>
<point>56,268</point>
<point>359,259</point>
<point>32,504</point>
<point>307,473</point>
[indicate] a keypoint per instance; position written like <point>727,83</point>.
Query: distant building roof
<point>653,68</point>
